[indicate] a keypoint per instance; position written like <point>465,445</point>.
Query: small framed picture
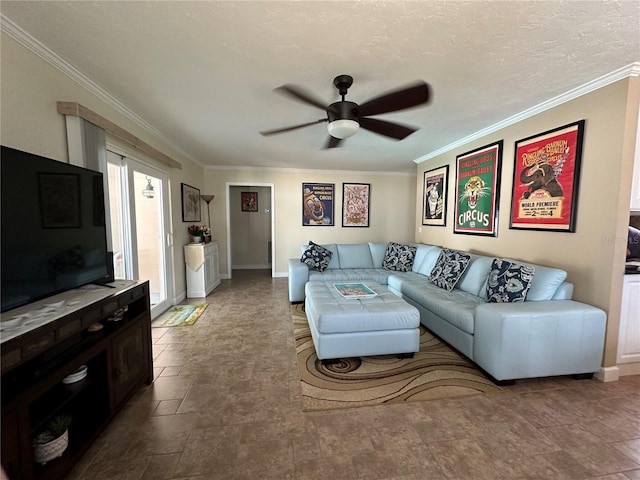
<point>249,201</point>
<point>190,203</point>
<point>317,204</point>
<point>356,202</point>
<point>434,196</point>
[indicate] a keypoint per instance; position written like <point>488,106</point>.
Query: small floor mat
<point>180,316</point>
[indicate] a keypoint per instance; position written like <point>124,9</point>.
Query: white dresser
<point>629,338</point>
<point>202,267</point>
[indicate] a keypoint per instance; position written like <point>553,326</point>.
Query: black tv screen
<point>53,235</point>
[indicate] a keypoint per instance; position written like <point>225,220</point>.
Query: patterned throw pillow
<point>449,268</point>
<point>509,282</point>
<point>316,257</point>
<point>399,257</point>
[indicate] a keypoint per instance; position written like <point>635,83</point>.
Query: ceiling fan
<point>346,118</point>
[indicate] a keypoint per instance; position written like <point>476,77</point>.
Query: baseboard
<point>608,374</point>
<point>629,369</point>
<point>251,267</point>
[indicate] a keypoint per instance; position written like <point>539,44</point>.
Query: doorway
<point>250,226</point>
<point>138,202</point>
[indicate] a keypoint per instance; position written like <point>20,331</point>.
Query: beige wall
<point>29,90</point>
<point>391,215</point>
<point>594,255</point>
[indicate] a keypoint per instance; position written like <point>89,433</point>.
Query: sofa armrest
<point>298,278</point>
<point>538,339</point>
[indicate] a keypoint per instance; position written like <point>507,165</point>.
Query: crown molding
<point>23,38</point>
<point>307,170</point>
<point>631,70</point>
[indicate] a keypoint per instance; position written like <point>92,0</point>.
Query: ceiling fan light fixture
<point>343,128</point>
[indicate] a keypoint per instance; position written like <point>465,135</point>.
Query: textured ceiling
<point>202,73</point>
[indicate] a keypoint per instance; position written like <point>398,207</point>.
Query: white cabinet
<point>202,267</point>
<point>629,336</point>
<point>635,185</point>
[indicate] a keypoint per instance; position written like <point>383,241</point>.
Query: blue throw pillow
<point>508,281</point>
<point>449,268</point>
<point>399,257</point>
<point>316,257</point>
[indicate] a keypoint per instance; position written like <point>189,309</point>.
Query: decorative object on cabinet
<point>198,233</point>
<point>546,176</point>
<point>202,269</point>
<point>435,189</point>
<point>356,202</point>
<point>53,441</point>
<point>478,191</point>
<point>317,204</point>
<point>190,203</point>
<point>249,201</point>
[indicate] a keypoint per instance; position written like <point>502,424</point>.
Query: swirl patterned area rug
<point>435,372</point>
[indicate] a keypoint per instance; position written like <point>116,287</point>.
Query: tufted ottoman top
<point>331,313</point>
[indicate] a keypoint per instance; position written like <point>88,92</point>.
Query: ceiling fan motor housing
<point>343,111</point>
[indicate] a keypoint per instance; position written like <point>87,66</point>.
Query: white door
<point>138,197</point>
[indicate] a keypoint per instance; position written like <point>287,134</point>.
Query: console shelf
<point>118,359</point>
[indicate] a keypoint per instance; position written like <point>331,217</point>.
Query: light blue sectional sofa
<point>546,335</point>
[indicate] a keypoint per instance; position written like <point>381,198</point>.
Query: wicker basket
<point>53,449</point>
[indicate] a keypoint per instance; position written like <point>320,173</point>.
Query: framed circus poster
<point>546,175</point>
<point>434,196</point>
<point>478,191</point>
<point>355,204</point>
<point>317,204</point>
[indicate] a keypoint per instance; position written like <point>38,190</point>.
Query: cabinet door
<point>129,361</point>
<point>11,446</point>
<point>629,336</point>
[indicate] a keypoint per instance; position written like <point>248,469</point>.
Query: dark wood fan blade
<point>288,129</point>
<point>302,95</point>
<point>388,129</point>
<point>333,142</point>
<point>407,97</point>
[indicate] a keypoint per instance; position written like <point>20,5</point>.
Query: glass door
<point>139,217</point>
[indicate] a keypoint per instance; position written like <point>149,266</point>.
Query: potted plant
<point>53,440</point>
<point>198,232</point>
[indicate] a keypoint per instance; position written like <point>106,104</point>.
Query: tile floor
<point>225,405</point>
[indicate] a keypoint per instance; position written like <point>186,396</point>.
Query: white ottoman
<point>354,327</point>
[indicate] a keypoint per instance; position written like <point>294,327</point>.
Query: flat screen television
<point>53,235</point>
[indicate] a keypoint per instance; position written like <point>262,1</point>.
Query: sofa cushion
<point>421,253</point>
<point>316,257</point>
<point>474,279</point>
<point>377,253</point>
<point>399,257</point>
<point>508,281</point>
<point>545,282</point>
<point>455,307</point>
<point>449,268</point>
<point>357,255</point>
<point>430,259</point>
<point>378,275</point>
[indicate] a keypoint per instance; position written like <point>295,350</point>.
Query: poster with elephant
<point>317,204</point>
<point>545,179</point>
<point>478,190</point>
